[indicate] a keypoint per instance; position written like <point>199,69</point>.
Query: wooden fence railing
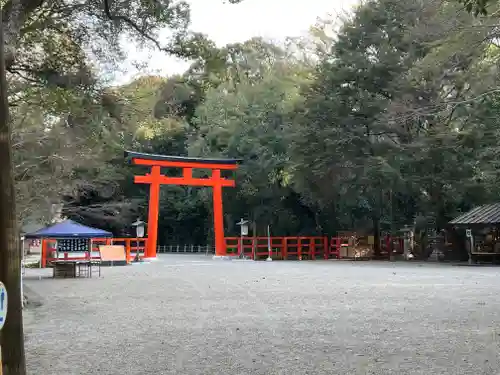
<point>284,248</point>
<point>188,249</point>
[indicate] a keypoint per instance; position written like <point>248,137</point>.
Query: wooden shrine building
<point>477,232</point>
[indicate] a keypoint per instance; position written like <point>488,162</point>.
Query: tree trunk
<point>12,337</point>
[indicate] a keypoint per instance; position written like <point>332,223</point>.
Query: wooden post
<point>127,250</point>
<point>326,248</point>
<point>220,248</point>
<point>43,254</point>
<point>154,203</point>
<point>254,245</point>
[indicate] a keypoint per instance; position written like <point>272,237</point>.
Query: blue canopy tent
<point>71,237</point>
<point>69,229</point>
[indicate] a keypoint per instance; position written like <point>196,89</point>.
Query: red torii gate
<point>155,179</point>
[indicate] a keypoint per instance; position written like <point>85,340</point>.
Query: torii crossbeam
<point>155,178</point>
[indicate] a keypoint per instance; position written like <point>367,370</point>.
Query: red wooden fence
<point>300,248</point>
<point>285,247</point>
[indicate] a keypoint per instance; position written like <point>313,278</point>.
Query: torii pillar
<point>155,178</point>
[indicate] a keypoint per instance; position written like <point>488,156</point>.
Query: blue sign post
<point>3,305</point>
<point>3,315</point>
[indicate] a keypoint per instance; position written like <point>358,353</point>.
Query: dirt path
<point>191,315</point>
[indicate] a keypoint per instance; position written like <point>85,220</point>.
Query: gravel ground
<point>191,315</point>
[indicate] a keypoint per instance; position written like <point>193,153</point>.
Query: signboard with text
<point>72,244</point>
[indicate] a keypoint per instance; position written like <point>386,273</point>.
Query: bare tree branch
<point>132,24</point>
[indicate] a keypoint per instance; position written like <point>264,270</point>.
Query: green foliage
<point>478,7</point>
<point>367,125</point>
<point>68,126</point>
<point>249,119</point>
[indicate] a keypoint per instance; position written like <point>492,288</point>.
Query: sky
<point>228,23</point>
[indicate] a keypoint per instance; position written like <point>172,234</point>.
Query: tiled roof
<point>133,154</point>
<point>487,214</point>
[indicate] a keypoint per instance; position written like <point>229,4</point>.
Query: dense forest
<point>376,119</point>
